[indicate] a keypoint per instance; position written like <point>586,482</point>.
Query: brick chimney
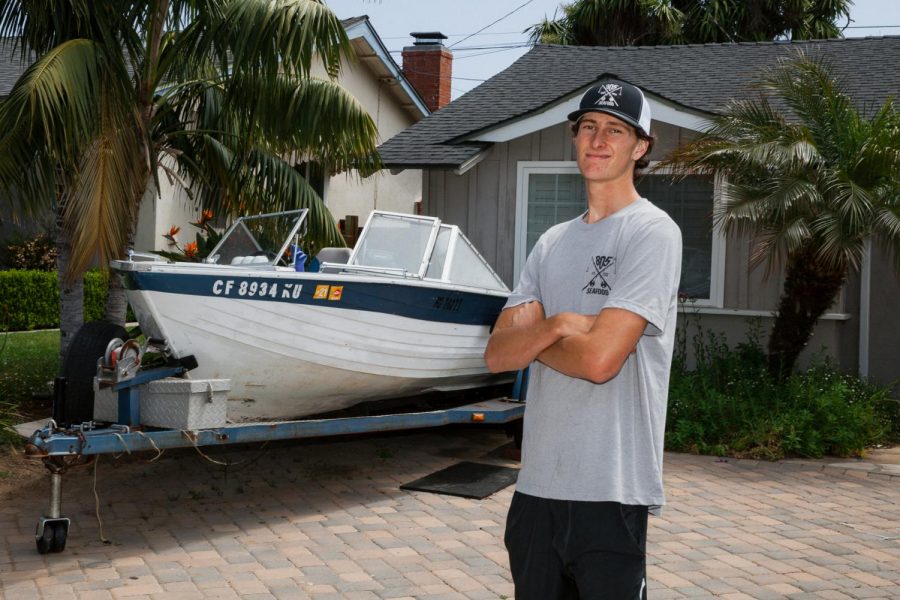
<point>427,65</point>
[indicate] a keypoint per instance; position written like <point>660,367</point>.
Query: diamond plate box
<point>172,403</point>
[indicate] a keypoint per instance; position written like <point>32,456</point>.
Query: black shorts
<point>568,550</point>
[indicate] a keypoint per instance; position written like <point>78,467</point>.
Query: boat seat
<point>334,255</point>
<point>249,260</point>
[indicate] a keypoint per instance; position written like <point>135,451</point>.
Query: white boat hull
<point>291,359</point>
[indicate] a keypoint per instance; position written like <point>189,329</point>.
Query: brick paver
<point>327,520</point>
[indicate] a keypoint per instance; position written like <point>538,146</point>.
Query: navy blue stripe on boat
<point>415,302</point>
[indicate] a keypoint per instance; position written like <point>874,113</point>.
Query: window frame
<point>524,170</point>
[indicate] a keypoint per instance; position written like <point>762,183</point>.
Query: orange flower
<point>173,231</point>
<point>205,217</point>
<point>190,250</point>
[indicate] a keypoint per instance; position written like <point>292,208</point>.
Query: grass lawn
<point>28,361</point>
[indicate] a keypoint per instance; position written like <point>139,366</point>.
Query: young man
<point>594,311</point>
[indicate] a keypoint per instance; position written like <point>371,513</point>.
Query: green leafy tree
<point>211,94</point>
<point>810,177</point>
<point>664,22</point>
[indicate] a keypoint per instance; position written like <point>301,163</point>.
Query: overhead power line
<point>453,35</point>
<point>513,11</point>
<point>502,46</point>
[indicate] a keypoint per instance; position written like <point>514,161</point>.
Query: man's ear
<point>641,149</point>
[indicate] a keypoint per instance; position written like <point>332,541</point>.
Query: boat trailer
<point>62,447</point>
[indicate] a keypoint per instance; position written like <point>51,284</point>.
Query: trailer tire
<point>80,366</point>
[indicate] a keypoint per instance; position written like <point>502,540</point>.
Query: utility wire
<point>502,46</point>
<point>432,73</point>
<point>489,52</point>
<point>453,35</point>
<point>515,10</point>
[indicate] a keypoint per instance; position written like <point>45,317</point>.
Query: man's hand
<point>569,323</point>
<point>522,332</point>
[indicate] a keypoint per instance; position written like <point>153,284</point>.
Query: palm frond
<point>551,31</point>
<point>58,97</point>
<point>261,182</point>
<point>27,172</point>
<point>820,174</point>
<point>775,245</point>
<point>309,116</point>
<point>264,37</point>
<point>99,209</point>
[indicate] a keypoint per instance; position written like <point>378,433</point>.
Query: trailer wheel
<point>45,541</point>
<point>60,533</point>
<point>53,537</point>
<point>80,367</point>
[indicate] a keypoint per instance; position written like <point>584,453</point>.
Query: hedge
<point>30,299</point>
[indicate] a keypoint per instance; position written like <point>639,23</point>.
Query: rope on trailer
<point>124,445</point>
<point>193,441</point>
<point>97,503</point>
<point>159,452</point>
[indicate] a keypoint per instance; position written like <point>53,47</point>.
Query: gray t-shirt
<point>603,442</point>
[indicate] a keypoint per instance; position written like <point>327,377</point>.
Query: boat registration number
<point>256,289</point>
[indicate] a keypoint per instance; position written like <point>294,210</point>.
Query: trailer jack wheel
<point>51,531</point>
<point>51,534</point>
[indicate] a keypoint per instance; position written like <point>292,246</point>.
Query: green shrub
<point>30,299</point>
<point>729,405</point>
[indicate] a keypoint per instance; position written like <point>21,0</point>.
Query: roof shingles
<point>704,77</point>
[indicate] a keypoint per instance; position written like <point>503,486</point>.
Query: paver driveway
<point>326,519</point>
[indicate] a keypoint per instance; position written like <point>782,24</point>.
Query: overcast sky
<point>484,54</point>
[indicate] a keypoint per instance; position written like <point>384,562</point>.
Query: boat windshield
<point>254,241</point>
<point>421,247</point>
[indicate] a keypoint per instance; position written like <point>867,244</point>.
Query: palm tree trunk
<point>809,290</point>
<point>116,307</point>
<point>71,294</point>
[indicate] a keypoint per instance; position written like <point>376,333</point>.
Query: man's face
<point>607,147</point>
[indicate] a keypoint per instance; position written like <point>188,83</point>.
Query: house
<point>380,85</point>
<point>499,162</point>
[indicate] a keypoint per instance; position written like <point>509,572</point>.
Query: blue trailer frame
<point>55,445</point>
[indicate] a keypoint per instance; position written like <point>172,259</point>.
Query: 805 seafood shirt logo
<point>599,275</point>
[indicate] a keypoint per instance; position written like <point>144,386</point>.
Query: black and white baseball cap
<point>619,99</point>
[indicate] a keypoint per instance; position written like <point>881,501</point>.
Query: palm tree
<point>661,22</point>
<point>611,23</point>
<point>216,95</point>
<point>809,177</point>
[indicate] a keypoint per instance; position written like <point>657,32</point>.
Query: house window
<point>553,192</point>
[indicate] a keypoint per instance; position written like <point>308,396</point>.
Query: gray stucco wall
<point>884,320</point>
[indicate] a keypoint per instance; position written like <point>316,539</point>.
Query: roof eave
<point>361,28</point>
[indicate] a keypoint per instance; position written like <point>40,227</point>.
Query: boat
<point>408,310</point>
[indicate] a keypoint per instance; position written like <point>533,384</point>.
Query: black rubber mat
<point>466,479</point>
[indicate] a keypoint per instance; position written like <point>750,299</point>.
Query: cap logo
<point>608,94</point>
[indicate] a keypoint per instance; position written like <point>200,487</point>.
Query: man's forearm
<point>597,355</point>
<point>571,356</point>
<point>516,347</point>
